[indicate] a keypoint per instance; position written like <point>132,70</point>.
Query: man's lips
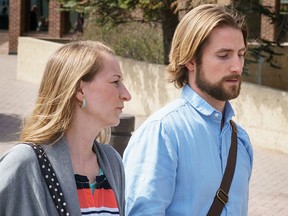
<point>232,79</point>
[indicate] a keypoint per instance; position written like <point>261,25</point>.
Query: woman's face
<point>105,94</point>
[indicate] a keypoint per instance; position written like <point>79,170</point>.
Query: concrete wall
<point>262,111</point>
<point>32,57</point>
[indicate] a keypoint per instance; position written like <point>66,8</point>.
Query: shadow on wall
<point>148,82</point>
<point>268,103</point>
<point>10,126</point>
<point>261,110</point>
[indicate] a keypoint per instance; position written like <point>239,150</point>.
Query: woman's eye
<point>117,82</point>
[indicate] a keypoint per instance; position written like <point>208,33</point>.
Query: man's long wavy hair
<point>55,103</point>
<point>192,34</point>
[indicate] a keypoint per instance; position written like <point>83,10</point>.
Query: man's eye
<point>223,55</point>
<point>242,54</point>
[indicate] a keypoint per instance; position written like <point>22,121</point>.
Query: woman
<point>80,96</point>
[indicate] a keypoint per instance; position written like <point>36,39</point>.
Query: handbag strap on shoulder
<point>221,197</point>
<point>51,180</point>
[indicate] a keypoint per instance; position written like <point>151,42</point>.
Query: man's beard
<point>217,90</point>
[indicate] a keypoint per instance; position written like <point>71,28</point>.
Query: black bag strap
<point>221,197</point>
<point>51,180</point>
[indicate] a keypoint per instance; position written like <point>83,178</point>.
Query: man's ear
<point>191,65</point>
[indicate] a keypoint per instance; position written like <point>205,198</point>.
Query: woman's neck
<point>80,139</point>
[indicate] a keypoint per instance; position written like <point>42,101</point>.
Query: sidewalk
<point>17,99</point>
<point>269,183</point>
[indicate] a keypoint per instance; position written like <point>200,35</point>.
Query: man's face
<point>219,74</point>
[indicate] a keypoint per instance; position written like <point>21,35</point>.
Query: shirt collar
<point>202,106</point>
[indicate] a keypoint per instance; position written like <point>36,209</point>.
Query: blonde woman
<point>80,96</point>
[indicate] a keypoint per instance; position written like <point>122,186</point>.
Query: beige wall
<point>262,111</point>
<point>32,57</point>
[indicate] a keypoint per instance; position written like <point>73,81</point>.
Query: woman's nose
<point>125,95</point>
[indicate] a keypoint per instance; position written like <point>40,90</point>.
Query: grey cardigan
<point>23,190</point>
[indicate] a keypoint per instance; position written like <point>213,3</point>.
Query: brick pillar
<point>55,19</point>
<point>16,23</point>
<point>268,30</point>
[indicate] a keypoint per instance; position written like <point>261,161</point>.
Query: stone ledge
<point>262,111</point>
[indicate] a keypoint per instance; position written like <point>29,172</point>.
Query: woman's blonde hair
<point>56,100</point>
<point>192,34</point>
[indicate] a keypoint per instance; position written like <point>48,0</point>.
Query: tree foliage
<point>263,48</point>
<point>115,12</point>
<point>119,11</point>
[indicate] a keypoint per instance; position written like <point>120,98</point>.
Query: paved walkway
<point>269,183</point>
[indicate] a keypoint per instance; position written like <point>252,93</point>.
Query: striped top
<point>97,198</point>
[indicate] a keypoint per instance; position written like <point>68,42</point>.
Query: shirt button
<point>217,115</point>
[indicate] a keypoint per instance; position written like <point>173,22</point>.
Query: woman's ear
<point>79,92</point>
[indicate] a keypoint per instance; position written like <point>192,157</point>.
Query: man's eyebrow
<point>230,50</point>
<point>243,49</point>
<point>224,50</point>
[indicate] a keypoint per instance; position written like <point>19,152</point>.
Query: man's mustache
<point>233,76</point>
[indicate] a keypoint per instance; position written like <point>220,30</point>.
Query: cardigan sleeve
<point>21,189</point>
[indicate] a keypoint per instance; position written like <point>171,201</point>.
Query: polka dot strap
<point>51,180</point>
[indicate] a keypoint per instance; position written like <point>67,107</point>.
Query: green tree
<point>115,12</point>
<point>264,48</point>
<point>168,12</point>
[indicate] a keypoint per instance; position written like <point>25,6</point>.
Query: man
<point>33,18</point>
<point>175,161</point>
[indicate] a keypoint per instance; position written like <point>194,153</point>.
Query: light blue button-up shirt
<point>175,161</point>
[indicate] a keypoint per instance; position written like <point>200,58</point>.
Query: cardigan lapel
<point>59,157</point>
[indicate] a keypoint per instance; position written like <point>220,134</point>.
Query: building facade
<point>57,24</point>
<point>50,21</point>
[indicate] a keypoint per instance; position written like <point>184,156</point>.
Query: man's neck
<point>217,104</point>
